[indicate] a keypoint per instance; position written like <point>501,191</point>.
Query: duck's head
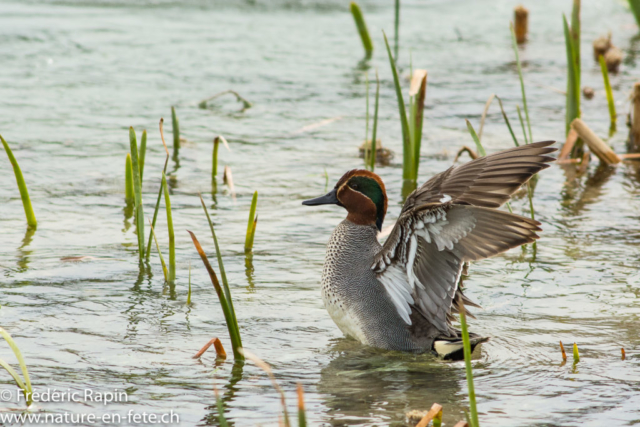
<point>361,193</point>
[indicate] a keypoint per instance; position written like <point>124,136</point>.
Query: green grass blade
<point>374,134</point>
<point>172,238</point>
<point>175,126</point>
<point>396,29</point>
<point>143,153</point>
<point>607,88</point>
<point>408,163</point>
<point>479,146</point>
<point>236,340</point>
<point>417,118</point>
<point>573,88</point>
<point>362,28</point>
<point>576,353</point>
<point>137,183</point>
<point>229,315</point>
<point>164,265</point>
<point>16,378</point>
<point>302,415</point>
<point>506,120</point>
<point>635,8</point>
<point>22,186</point>
<point>575,36</point>
<point>251,225</point>
<point>129,192</point>
<point>467,365</point>
<point>514,43</point>
<point>189,292</point>
<point>23,366</point>
<point>160,191</point>
<point>214,165</point>
<point>524,132</point>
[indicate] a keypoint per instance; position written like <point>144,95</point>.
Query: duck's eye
<point>354,185</point>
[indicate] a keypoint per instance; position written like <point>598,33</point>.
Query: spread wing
<point>449,221</point>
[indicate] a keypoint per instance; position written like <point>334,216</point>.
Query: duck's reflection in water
<point>364,385</point>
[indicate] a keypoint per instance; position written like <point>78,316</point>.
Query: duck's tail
<point>451,348</point>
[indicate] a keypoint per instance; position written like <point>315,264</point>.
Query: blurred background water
<point>76,74</point>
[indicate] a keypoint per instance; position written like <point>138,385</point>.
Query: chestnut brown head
<point>362,194</point>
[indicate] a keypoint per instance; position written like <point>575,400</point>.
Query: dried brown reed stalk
<point>521,23</point>
<point>596,145</point>
<point>217,345</point>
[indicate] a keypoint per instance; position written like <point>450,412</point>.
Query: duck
<point>403,295</point>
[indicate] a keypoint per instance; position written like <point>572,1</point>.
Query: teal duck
<point>403,295</point>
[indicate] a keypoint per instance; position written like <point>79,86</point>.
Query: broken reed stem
<point>129,192</point>
<point>374,134</point>
<point>576,353</point>
<point>214,165</point>
<point>362,29</point>
<point>467,364</point>
<point>160,191</point>
<point>506,120</point>
<point>596,145</point>
<point>564,354</point>
<point>521,18</point>
<point>164,265</point>
<point>524,96</point>
<point>217,345</point>
<point>245,104</point>
<point>624,355</point>
<point>175,123</point>
<point>607,89</point>
<point>172,238</point>
<point>251,225</point>
<point>302,416</point>
<point>25,386</point>
<point>229,314</point>
<point>265,367</point>
<point>484,114</point>
<point>436,409</point>
<point>143,153</point>
<point>137,183</point>
<point>22,187</point>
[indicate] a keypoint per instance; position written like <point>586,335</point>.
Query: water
<point>77,74</point>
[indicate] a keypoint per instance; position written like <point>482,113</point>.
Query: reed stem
<point>396,29</point>
<point>251,226</point>
<point>607,88</point>
<point>26,387</point>
<point>635,8</point>
<point>143,153</point>
<point>172,239</point>
<point>362,29</point>
<point>467,365</point>
<point>214,166</point>
<point>175,123</point>
<point>165,272</point>
<point>479,147</point>
<point>366,131</point>
<point>129,192</point>
<point>506,120</point>
<point>137,183</point>
<point>164,171</point>
<point>524,96</point>
<point>524,132</point>
<point>22,186</point>
<point>302,416</point>
<point>573,76</point>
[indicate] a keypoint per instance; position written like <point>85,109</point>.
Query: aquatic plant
<point>25,385</point>
<point>22,186</point>
<point>607,88</point>
<point>252,224</point>
<point>576,353</point>
<point>172,239</point>
<point>160,191</point>
<point>506,120</point>
<point>374,134</point>
<point>396,29</point>
<point>572,43</point>
<point>220,408</point>
<point>265,367</point>
<point>467,365</point>
<point>564,354</point>
<point>214,163</point>
<point>164,265</point>
<point>411,132</point>
<point>245,104</point>
<point>224,295</point>
<point>302,416</point>
<point>143,152</point>
<point>129,192</point>
<point>362,29</point>
<point>137,184</point>
<point>175,127</point>
<point>479,147</point>
<point>634,5</point>
<point>514,44</point>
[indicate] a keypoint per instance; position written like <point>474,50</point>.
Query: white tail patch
<point>443,348</point>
